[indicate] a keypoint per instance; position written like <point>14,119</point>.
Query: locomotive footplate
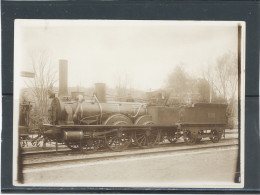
<point>104,126</point>
<point>59,128</point>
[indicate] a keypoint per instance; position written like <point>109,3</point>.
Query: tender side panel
<point>213,114</point>
<point>162,115</point>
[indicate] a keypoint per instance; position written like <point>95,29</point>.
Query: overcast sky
<point>145,51</point>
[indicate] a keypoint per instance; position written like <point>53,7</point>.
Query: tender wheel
<point>91,145</point>
<point>120,139</point>
<point>172,136</point>
<point>189,138</point>
<point>216,135</point>
<point>199,139</point>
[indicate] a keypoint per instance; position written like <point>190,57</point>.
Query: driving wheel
<point>119,139</point>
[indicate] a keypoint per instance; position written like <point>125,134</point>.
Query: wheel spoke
<point>141,137</point>
<point>111,140</point>
<point>144,138</point>
<point>116,141</point>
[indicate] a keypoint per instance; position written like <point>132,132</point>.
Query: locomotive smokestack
<point>100,90</point>
<point>63,78</point>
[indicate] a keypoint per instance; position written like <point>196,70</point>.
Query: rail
<point>30,165</point>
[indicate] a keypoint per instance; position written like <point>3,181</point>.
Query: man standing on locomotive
<point>54,110</point>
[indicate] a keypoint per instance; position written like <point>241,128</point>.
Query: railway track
<point>65,150</point>
<point>65,157</point>
<point>51,148</point>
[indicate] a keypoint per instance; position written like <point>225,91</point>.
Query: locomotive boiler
<point>95,111</point>
<point>83,124</point>
<point>97,118</point>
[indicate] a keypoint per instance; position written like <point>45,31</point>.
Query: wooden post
<point>56,145</point>
<point>80,146</point>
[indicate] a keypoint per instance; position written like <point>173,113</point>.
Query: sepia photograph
<point>129,103</point>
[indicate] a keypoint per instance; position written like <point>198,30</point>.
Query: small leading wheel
<point>189,138</point>
<point>91,145</point>
<point>172,136</point>
<point>216,135</point>
<point>73,146</point>
<point>118,140</point>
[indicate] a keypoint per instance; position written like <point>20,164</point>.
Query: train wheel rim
<point>216,136</point>
<point>146,138</point>
<point>118,140</point>
<point>189,138</point>
<point>116,143</point>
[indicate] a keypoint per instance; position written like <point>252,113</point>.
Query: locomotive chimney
<point>63,78</point>
<point>100,90</point>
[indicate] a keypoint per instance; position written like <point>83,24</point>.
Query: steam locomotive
<point>87,125</point>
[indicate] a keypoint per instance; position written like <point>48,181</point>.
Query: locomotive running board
<point>95,127</point>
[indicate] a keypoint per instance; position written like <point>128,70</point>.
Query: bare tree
<point>45,77</point>
<point>222,77</point>
<point>226,72</point>
<point>122,85</point>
